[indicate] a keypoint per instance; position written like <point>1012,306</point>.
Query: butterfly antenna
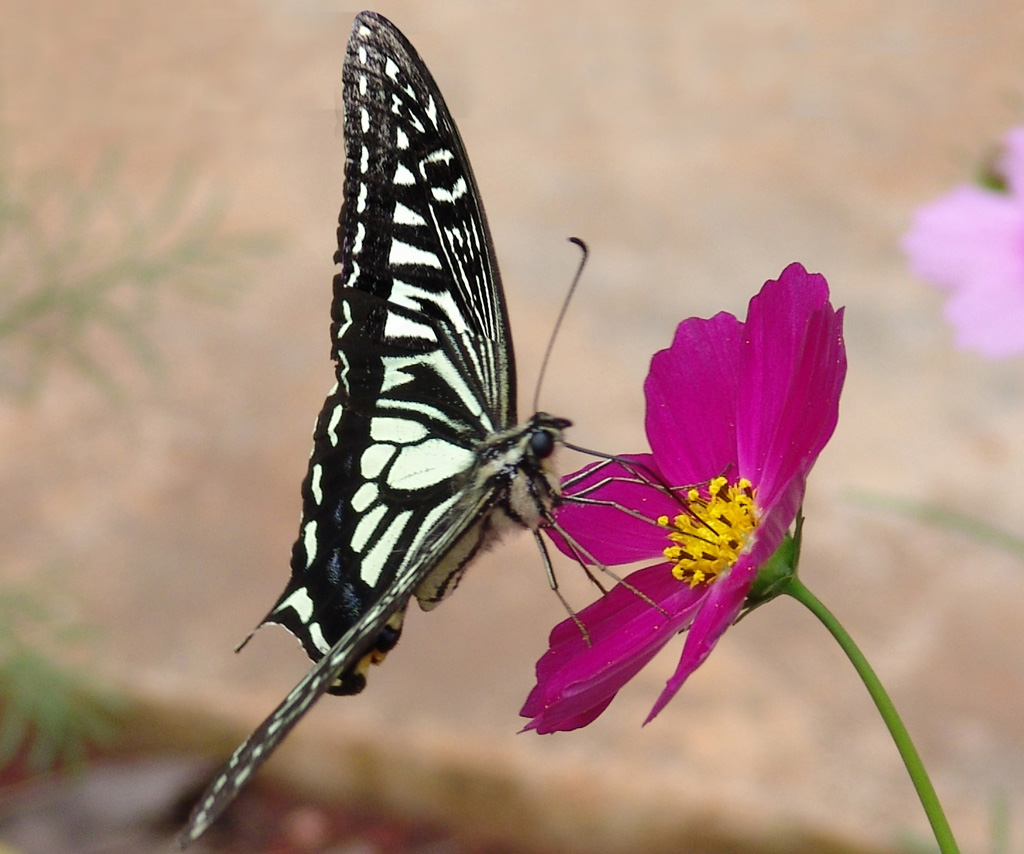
<point>561,316</point>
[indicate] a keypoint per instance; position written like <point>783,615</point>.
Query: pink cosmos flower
<point>737,413</point>
<point>971,241</point>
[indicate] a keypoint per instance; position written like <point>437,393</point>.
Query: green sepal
<point>774,576</point>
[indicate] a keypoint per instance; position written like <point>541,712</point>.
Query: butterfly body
<point>418,462</point>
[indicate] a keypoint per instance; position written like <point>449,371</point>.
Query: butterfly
<point>418,463</point>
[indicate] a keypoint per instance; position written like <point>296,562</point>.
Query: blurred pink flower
<point>971,241</point>
<point>741,410</point>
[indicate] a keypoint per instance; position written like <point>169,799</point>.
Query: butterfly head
<point>516,466</point>
<point>543,435</point>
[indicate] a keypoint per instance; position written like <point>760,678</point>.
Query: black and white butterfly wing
<point>416,461</point>
<point>420,336</point>
<point>256,749</point>
<point>413,230</point>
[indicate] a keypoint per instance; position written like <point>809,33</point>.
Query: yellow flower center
<point>710,535</point>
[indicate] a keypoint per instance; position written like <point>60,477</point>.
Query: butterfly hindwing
<point>256,749</point>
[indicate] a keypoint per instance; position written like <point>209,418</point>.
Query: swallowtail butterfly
<point>417,461</point>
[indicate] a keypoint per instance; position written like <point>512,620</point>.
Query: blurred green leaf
<point>979,530</point>
<point>85,271</point>
<point>49,713</point>
<point>84,268</point>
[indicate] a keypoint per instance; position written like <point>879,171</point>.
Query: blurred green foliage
<point>84,271</point>
<point>49,714</point>
<point>84,268</point>
<point>980,530</point>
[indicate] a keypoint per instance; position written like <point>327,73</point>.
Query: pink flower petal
<point>792,373</point>
<point>691,400</point>
<point>610,535</point>
<point>776,520</point>
<point>717,612</point>
<point>989,317</point>
<point>556,718</point>
<point>1013,161</point>
<point>969,235</point>
<point>972,240</point>
<point>576,681</point>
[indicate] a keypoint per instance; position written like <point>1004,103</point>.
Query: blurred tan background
<point>698,148</point>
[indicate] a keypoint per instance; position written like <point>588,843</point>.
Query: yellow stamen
<point>710,535</point>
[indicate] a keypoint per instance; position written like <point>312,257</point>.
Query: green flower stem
<point>925,790</point>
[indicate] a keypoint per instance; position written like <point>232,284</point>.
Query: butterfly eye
<point>542,444</point>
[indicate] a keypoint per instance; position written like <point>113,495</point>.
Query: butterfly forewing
<point>413,230</point>
<point>416,461</point>
<point>420,337</point>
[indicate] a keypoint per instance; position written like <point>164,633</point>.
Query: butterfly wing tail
<point>258,747</point>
